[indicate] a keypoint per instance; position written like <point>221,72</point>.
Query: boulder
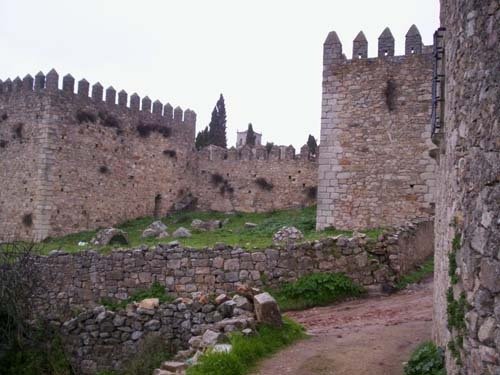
<point>210,338</point>
<point>181,232</point>
<point>267,310</point>
<point>173,366</point>
<point>206,225</point>
<point>110,236</point>
<point>149,303</point>
<point>287,235</point>
<point>155,229</point>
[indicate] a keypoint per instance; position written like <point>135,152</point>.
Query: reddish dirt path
<point>373,336</point>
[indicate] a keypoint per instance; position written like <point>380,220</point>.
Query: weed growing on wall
<point>3,143</point>
<point>390,94</point>
<point>28,220</point>
<point>18,130</point>
<point>4,117</point>
<point>108,120</point>
<point>85,116</point>
<point>170,153</point>
<point>264,184</point>
<point>145,130</point>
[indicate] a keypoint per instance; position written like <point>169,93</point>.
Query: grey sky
<point>264,56</point>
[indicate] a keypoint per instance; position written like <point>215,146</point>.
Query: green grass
<point>424,270</point>
<point>155,291</point>
<point>427,359</point>
<point>233,233</point>
<point>247,351</point>
<point>317,289</point>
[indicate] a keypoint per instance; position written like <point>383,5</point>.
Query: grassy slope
<point>234,233</point>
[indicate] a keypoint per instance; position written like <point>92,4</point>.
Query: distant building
<point>241,139</point>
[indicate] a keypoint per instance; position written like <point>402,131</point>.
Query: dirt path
<point>373,336</point>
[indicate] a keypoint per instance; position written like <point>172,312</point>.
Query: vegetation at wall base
<point>151,353</point>
<point>317,289</point>
<point>248,350</point>
<point>427,359</point>
<point>424,270</point>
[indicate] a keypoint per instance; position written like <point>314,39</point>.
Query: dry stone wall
<point>374,167</point>
<point>467,231</point>
<point>85,278</point>
<point>86,162</point>
<point>235,180</point>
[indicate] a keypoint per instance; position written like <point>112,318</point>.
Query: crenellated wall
<point>73,162</point>
<point>228,180</point>
<point>374,167</point>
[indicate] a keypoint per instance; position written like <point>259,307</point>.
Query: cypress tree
<point>202,139</point>
<point>221,122</point>
<point>250,141</point>
<point>312,145</point>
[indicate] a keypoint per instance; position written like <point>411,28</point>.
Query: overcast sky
<point>265,56</point>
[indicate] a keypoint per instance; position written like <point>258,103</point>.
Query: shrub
<point>28,220</point>
<point>426,359</point>
<point>248,350</point>
<point>85,116</point>
<point>264,184</point>
<point>170,153</point>
<point>316,289</point>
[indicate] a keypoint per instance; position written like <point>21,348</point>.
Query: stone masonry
<point>70,162</point>
<point>467,228</point>
<point>83,279</point>
<point>374,166</point>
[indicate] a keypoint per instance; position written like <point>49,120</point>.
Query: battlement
<point>50,83</point>
<point>274,153</point>
<point>332,48</point>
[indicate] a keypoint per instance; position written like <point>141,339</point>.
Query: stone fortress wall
<point>467,229</point>
<point>71,162</point>
<point>374,167</point>
<point>235,180</point>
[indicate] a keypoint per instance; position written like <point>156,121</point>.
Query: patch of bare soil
<point>372,336</point>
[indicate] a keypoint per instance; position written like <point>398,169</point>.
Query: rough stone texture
<point>155,229</point>
<point>374,166</point>
<point>73,176</point>
<point>468,198</point>
<point>99,339</point>
<point>294,179</point>
<point>287,235</point>
<point>110,235</point>
<point>85,278</point>
<point>267,310</point>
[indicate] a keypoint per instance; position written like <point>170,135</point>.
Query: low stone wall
<point>83,279</point>
<point>100,339</point>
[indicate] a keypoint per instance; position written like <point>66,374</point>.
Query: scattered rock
<point>247,331</point>
<point>267,310</point>
<point>173,366</point>
<point>287,235</point>
<point>210,338</point>
<point>226,309</point>
<point>155,229</point>
<point>110,236</point>
<point>221,298</point>
<point>206,225</point>
<point>243,303</point>
<point>182,232</point>
<point>222,348</point>
<point>149,303</point>
<point>250,225</point>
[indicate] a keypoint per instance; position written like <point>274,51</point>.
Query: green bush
<point>316,289</point>
<point>248,350</point>
<point>427,359</point>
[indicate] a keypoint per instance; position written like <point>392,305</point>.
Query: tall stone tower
<point>374,164</point>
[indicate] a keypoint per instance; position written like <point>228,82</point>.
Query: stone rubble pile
<point>206,225</point>
<point>110,235</point>
<point>287,235</point>
<point>101,339</point>
<point>156,229</point>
